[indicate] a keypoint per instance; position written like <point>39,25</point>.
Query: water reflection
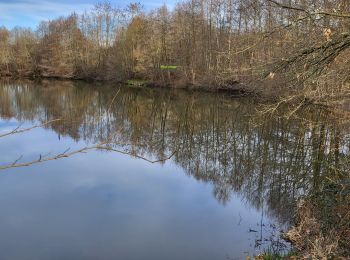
<point>258,160</point>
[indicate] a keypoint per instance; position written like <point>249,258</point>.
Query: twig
<point>17,130</point>
<point>67,154</point>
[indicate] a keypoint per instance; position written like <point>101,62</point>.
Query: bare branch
<point>66,154</point>
<point>300,9</point>
<point>17,130</point>
<point>284,6</point>
<point>316,58</point>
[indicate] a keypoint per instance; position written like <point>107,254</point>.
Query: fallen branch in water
<point>45,158</point>
<point>66,154</point>
<point>18,129</point>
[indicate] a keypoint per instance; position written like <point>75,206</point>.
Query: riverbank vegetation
<point>323,223</point>
<point>295,49</point>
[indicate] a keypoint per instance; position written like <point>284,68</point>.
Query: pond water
<point>226,193</point>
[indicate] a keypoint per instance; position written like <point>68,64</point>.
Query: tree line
<point>279,47</point>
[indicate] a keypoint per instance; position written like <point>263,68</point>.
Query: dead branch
<point>17,130</point>
<point>284,6</point>
<point>66,154</point>
<point>300,9</point>
<point>315,59</point>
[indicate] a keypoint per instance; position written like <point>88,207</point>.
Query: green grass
<point>269,255</point>
<point>136,82</point>
<point>168,67</point>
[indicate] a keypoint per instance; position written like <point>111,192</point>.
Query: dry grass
<point>322,228</point>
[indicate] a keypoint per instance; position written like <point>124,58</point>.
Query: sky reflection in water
<point>205,203</point>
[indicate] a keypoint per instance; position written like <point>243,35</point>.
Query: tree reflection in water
<point>270,161</point>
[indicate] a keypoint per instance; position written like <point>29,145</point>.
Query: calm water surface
<point>227,192</point>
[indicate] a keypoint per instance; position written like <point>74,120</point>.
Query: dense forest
<point>278,48</point>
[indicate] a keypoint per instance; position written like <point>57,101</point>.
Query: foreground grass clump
<point>137,82</point>
<point>275,256</point>
<point>322,228</point>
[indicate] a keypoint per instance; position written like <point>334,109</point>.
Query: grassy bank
<point>322,225</point>
<point>322,229</point>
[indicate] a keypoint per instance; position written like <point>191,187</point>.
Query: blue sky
<point>28,13</point>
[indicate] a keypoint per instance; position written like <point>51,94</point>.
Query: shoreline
<point>236,89</point>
